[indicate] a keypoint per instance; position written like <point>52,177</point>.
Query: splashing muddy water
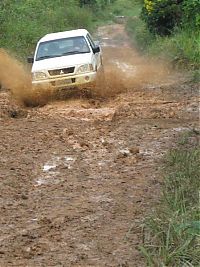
<point>13,75</point>
<point>16,77</point>
<point>124,69</point>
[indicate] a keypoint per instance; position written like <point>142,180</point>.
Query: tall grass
<point>23,22</point>
<point>140,36</point>
<point>182,48</point>
<point>126,8</point>
<point>173,230</point>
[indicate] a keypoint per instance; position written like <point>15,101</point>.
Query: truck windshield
<point>62,47</point>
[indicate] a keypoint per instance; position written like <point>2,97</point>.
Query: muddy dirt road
<point>78,176</point>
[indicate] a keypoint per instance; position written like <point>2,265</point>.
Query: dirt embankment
<point>78,175</point>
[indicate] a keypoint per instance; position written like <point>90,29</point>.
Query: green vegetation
<point>161,16</point>
<point>126,8</point>
<point>173,231</point>
<point>23,22</point>
<point>170,29</point>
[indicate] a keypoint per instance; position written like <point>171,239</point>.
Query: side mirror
<point>97,43</point>
<point>96,49</point>
<point>30,60</point>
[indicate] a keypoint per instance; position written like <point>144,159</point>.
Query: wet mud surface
<point>78,176</point>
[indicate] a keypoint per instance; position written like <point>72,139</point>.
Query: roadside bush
<point>191,11</point>
<point>169,29</point>
<point>137,29</point>
<point>84,20</point>
<point>96,4</point>
<point>161,16</point>
<point>126,8</point>
<point>182,48</point>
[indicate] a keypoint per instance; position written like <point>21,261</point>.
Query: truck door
<point>97,56</point>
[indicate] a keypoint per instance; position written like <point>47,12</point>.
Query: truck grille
<point>61,71</point>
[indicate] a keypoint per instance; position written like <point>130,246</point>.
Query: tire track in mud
<point>78,176</point>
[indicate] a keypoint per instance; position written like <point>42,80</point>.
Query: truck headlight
<point>38,76</point>
<point>85,68</point>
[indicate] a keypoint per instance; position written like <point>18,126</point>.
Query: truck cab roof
<point>65,34</point>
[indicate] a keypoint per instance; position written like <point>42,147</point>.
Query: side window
<point>92,44</point>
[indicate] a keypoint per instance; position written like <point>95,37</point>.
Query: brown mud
<point>79,175</point>
<point>13,75</point>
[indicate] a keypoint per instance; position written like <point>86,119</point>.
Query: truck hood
<point>61,62</point>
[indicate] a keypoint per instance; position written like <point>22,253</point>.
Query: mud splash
<point>134,69</point>
<point>124,70</point>
<point>15,77</point>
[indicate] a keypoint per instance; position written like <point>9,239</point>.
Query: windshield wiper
<point>63,54</point>
<point>73,52</point>
<point>44,57</point>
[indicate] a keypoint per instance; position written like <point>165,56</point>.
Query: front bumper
<point>67,81</point>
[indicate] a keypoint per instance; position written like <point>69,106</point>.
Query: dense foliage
<point>162,16</point>
<point>191,12</point>
<point>96,3</point>
<point>169,29</point>
<point>23,22</point>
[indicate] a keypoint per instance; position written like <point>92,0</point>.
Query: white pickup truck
<point>66,59</point>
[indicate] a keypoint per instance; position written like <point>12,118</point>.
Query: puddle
<point>155,149</point>
<point>40,182</point>
<point>125,151</point>
<point>69,159</point>
<point>52,177</point>
<point>34,220</point>
<point>50,174</point>
<point>48,167</point>
<point>180,129</point>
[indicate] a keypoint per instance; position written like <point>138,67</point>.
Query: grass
<point>182,48</point>
<point>140,36</point>
<point>33,19</point>
<point>126,8</point>
<point>173,230</point>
